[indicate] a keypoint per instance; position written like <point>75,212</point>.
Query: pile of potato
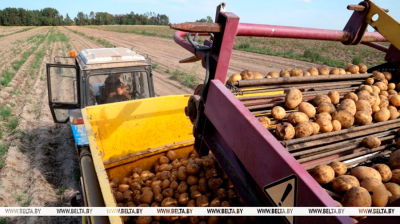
<point>377,101</point>
<point>189,181</point>
<point>288,72</point>
<point>363,186</point>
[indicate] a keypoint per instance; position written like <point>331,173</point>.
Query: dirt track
<point>167,54</point>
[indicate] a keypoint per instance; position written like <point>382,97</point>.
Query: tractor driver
<point>115,89</point>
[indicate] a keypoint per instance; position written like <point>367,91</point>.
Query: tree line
<point>51,17</point>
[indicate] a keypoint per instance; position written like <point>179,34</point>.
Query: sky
<point>329,14</point>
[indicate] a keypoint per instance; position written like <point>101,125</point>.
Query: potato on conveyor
<point>315,127</point>
<point>340,168</point>
<point>348,105</point>
<point>382,115</point>
<point>394,160</point>
<point>377,190</point>
<point>369,81</point>
<point>273,74</point>
<point>378,75</point>
<point>313,71</point>
<point>342,71</point>
<point>381,85</point>
<point>297,117</point>
<point>362,68</point>
<point>323,70</point>
<point>307,108</point>
<point>293,98</point>
<point>257,75</point>
<point>371,142</point>
<point>246,74</point>
<point>394,114</point>
<point>303,129</point>
<point>296,72</point>
<point>345,118</point>
<point>347,66</point>
<point>351,96</point>
<point>391,86</point>
<point>278,113</point>
<point>393,188</point>
<point>396,176</point>
<point>366,88</point>
<point>323,174</point>
<point>235,77</point>
<point>324,125</point>
<point>362,172</point>
<point>334,96</point>
<point>357,197</point>
<point>388,75</point>
<point>344,182</point>
<point>363,105</point>
<point>362,118</point>
<point>307,74</point>
<point>334,71</point>
<point>354,69</point>
<point>395,100</point>
<point>384,171</point>
<point>376,89</point>
<point>336,125</point>
<point>393,198</point>
<point>321,98</point>
<point>265,121</point>
<point>326,107</point>
<point>324,115</point>
<point>284,131</point>
<point>284,74</point>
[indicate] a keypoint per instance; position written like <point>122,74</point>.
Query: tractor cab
<point>98,76</point>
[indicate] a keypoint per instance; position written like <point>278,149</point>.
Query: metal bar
<point>376,46</point>
<point>185,44</point>
<point>253,82</point>
<point>357,152</point>
<point>305,85</point>
<point>383,153</point>
<point>361,8</point>
<point>330,134</point>
<point>260,30</point>
<point>198,27</point>
<point>320,155</point>
<point>341,137</point>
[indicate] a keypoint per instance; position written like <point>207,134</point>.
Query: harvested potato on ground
<point>351,96</point>
<point>362,172</point>
<point>354,69</point>
<point>334,96</point>
<point>362,68</point>
<point>246,74</point>
<point>348,105</point>
<point>284,131</point>
<point>296,72</point>
<point>340,168</point>
<point>394,160</point>
<point>336,125</point>
<point>371,142</point>
<point>297,117</point>
<point>363,105</point>
<point>303,129</point>
<point>326,107</point>
<point>382,115</point>
<point>384,171</point>
<point>235,77</point>
<point>313,71</point>
<point>273,74</point>
<point>323,70</point>
<point>395,100</point>
<point>323,174</point>
<point>379,195</point>
<point>307,108</point>
<point>293,98</point>
<point>320,99</point>
<point>315,127</point>
<point>342,71</point>
<point>324,115</point>
<point>396,176</point>
<point>344,182</point>
<point>278,113</point>
<point>345,118</point>
<point>369,81</point>
<point>334,71</point>
<point>265,121</point>
<point>362,118</point>
<point>357,197</point>
<point>324,125</point>
<point>393,188</point>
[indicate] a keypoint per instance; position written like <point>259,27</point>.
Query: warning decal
<point>283,193</point>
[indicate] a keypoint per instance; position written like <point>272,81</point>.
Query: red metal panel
<point>260,30</point>
<point>261,154</point>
